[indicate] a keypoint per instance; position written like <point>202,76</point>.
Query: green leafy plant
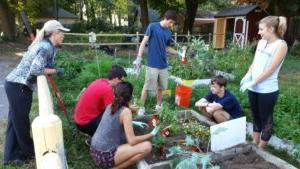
<point>199,57</point>
<point>158,143</point>
<point>235,61</point>
<point>195,129</point>
<point>167,115</point>
<point>190,159</point>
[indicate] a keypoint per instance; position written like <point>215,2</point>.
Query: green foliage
<point>199,56</point>
<point>235,61</point>
<point>296,50</point>
<point>215,5</point>
<point>296,152</point>
<point>168,115</point>
<point>189,159</point>
<point>81,68</point>
<point>195,129</point>
<point>175,128</point>
<point>158,142</point>
<point>166,5</point>
<point>189,141</point>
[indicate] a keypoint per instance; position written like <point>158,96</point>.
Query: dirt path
<point>10,55</point>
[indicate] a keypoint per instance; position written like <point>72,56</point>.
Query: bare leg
<point>130,161</point>
<point>127,155</point>
<point>262,144</point>
<point>144,96</point>
<point>159,97</point>
<point>256,137</point>
<point>221,116</point>
<point>204,112</point>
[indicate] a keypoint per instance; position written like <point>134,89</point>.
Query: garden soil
<point>248,160</point>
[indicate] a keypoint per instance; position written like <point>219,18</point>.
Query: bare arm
<point>280,54</point>
<point>250,69</point>
<point>201,103</point>
<point>211,107</point>
<point>142,46</point>
<point>126,120</point>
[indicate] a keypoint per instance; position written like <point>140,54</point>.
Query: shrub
<point>235,61</point>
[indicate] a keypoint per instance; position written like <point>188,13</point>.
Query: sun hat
<point>54,25</point>
<point>49,27</point>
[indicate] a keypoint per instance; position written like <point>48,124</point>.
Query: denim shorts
<point>104,159</point>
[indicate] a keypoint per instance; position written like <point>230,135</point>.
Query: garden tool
<point>58,97</point>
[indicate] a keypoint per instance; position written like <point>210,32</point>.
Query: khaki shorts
<point>156,79</point>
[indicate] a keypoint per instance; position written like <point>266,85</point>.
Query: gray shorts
<point>156,79</point>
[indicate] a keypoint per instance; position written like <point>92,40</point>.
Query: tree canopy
<point>108,15</point>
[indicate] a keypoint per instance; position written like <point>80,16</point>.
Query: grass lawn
<point>82,68</point>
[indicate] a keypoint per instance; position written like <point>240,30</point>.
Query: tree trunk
<point>7,17</point>
<point>81,9</point>
<point>191,10</point>
<point>144,14</point>
<point>119,17</point>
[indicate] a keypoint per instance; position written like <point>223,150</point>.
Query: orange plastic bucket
<point>183,95</point>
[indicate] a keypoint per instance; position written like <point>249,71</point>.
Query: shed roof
<point>205,14</point>
<point>61,13</point>
<point>236,11</point>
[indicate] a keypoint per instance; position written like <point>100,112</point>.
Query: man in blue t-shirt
<point>158,36</point>
<point>219,103</point>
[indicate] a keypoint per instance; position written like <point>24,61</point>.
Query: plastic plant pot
<point>154,120</point>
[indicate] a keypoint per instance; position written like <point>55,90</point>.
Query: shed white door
<point>240,34</point>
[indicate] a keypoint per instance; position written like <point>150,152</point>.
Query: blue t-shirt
<point>229,103</point>
<point>159,38</point>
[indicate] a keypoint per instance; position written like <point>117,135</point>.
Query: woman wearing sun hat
<point>19,85</point>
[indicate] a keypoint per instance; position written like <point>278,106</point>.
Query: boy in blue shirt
<point>158,36</point>
<point>219,103</point>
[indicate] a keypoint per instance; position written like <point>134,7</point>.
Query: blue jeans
<point>18,143</point>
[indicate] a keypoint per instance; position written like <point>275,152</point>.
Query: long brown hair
<point>123,94</point>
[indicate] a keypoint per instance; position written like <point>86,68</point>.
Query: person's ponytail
<point>282,26</point>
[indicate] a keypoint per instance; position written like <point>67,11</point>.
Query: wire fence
<point>96,40</point>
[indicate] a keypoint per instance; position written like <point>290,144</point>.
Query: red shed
<point>238,24</point>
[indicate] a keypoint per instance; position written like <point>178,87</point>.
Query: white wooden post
<point>51,160</point>
<point>47,131</point>
<point>44,101</point>
<point>175,38</point>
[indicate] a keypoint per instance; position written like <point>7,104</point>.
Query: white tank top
<point>262,60</point>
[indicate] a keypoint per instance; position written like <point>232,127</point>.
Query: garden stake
<point>58,97</point>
